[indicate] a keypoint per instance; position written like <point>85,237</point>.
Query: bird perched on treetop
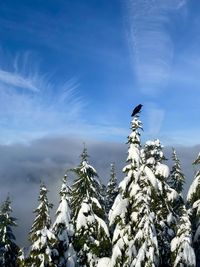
<point>136,110</point>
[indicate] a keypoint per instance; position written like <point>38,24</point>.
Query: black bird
<point>136,110</point>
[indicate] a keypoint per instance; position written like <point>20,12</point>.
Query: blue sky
<point>79,67</point>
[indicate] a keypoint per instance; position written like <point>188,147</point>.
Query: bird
<point>136,110</point>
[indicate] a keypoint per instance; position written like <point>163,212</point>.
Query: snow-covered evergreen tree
<point>162,201</point>
<point>176,178</point>
<point>63,229</point>
<point>8,248</point>
<point>145,240</point>
<point>85,185</point>
<point>181,245</point>
<point>193,199</point>
<point>91,233</point>
<point>112,188</point>
<point>176,181</point>
<point>42,238</point>
<point>134,239</point>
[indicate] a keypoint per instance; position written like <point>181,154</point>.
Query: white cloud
<point>151,44</point>
<point>16,80</point>
<point>34,106</point>
<point>156,118</point>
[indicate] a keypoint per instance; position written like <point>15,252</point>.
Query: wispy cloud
<point>151,43</point>
<point>155,120</point>
<point>16,80</point>
<point>34,105</point>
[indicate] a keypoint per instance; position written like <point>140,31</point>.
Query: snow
<point>43,235</point>
<point>162,170</point>
<point>115,254</point>
<point>103,262</point>
<point>193,187</point>
<point>134,189</point>
<point>170,218</point>
<point>134,154</point>
<point>85,167</point>
<point>118,209</point>
<point>123,184</point>
<point>181,245</point>
<point>84,217</point>
<point>196,204</point>
<point>172,195</point>
<point>134,216</point>
<point>151,177</point>
<point>150,161</point>
<point>127,168</point>
<point>63,214</point>
<point>94,200</point>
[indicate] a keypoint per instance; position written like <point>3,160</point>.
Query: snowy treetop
<point>154,143</point>
<point>162,170</point>
<point>136,123</point>
<point>85,167</point>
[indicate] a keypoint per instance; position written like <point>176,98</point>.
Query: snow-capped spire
<point>63,228</point>
<point>42,238</point>
<point>91,233</point>
<point>176,179</point>
<point>84,155</point>
<point>122,213</point>
<point>134,142</point>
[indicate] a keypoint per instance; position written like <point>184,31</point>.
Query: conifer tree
<point>193,199</point>
<point>42,238</point>
<point>176,179</point>
<point>181,245</point>
<point>134,239</point>
<point>86,184</point>
<point>112,189</point>
<point>91,232</point>
<point>162,201</point>
<point>63,229</point>
<point>8,248</point>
